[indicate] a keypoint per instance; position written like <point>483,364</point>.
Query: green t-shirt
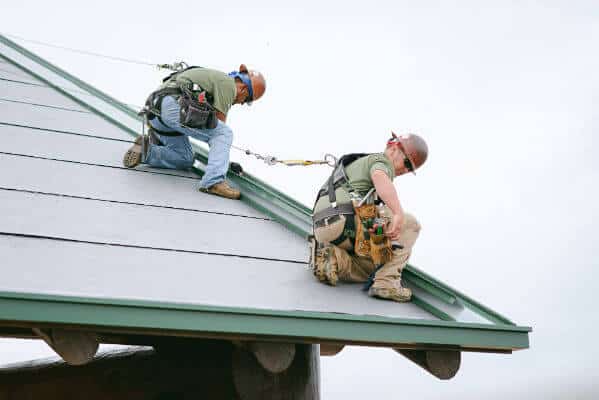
<point>359,176</point>
<point>220,85</point>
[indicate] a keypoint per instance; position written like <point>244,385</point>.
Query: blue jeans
<point>176,152</point>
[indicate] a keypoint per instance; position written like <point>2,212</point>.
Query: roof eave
<point>158,318</point>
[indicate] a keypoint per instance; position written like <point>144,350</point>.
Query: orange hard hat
<point>413,147</point>
<point>258,83</point>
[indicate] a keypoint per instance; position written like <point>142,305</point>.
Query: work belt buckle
<point>143,137</point>
<point>327,221</point>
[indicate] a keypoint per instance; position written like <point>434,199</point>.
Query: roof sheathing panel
<point>55,118</point>
<point>179,277</point>
<point>134,225</point>
<point>36,95</point>
<point>112,185</point>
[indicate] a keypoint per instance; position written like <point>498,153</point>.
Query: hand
<point>394,227</point>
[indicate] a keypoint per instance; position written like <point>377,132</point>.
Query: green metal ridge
<point>431,309</point>
<point>277,205</point>
<point>472,304</point>
<point>165,317</point>
<point>441,294</point>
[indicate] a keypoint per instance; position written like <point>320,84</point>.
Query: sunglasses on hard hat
<point>406,161</point>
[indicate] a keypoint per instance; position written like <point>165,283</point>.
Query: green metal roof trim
<point>258,194</point>
<point>165,318</point>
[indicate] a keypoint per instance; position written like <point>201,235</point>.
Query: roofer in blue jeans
<point>167,144</point>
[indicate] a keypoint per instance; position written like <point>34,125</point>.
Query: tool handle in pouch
<point>196,114</point>
<point>380,249</point>
<point>365,214</point>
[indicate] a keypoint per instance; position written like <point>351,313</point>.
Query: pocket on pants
<point>328,233</point>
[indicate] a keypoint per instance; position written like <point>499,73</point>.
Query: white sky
<point>507,97</point>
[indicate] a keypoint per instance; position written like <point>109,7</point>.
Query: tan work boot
<point>223,189</point>
<point>326,266</point>
<point>395,293</point>
<point>133,156</point>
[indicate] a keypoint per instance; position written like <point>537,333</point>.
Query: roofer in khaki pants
<point>168,146</point>
<point>335,227</point>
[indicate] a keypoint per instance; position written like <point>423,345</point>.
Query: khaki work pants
<point>352,268</point>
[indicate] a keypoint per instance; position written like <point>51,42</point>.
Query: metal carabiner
<point>331,160</point>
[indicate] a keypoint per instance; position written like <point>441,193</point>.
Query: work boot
<point>395,293</point>
<point>133,156</point>
<point>223,189</point>
<point>326,266</point>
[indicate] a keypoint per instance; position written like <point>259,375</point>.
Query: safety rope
<point>328,159</point>
<point>84,52</point>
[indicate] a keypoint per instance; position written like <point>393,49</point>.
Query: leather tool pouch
<point>195,114</point>
<point>362,244</point>
<point>380,249</point>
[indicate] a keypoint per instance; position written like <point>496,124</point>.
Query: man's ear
<point>243,69</point>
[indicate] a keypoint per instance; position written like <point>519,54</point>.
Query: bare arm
<point>386,191</point>
<point>222,117</point>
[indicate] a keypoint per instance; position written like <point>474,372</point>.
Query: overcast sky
<point>507,96</point>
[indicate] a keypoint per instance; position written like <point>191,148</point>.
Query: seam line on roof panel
<point>7,71</point>
<point>129,203</point>
<point>96,165</point>
<point>66,89</point>
<point>135,246</point>
<point>22,82</point>
<point>64,132</point>
<point>43,105</point>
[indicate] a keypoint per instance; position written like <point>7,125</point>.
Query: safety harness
<point>191,108</point>
<point>336,180</point>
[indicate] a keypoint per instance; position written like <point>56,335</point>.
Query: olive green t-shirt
<point>359,176</point>
<point>220,85</point>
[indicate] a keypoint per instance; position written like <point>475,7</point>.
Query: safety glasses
<point>406,161</point>
<point>248,82</point>
<point>245,78</point>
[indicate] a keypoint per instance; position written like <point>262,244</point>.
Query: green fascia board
<point>256,193</point>
<point>167,318</point>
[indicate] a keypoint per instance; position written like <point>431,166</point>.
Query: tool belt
<point>371,240</point>
<point>193,112</point>
<point>368,242</point>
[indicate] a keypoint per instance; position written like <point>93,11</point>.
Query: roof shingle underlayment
<point>87,242</point>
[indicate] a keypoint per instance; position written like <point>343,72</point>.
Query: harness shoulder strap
<point>338,177</point>
<point>335,180</point>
